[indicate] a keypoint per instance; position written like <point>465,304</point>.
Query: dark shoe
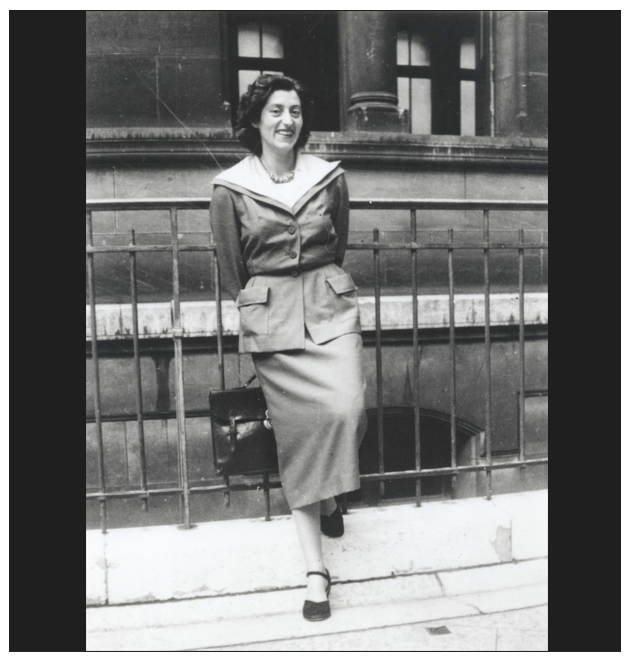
<point>317,611</point>
<point>332,525</point>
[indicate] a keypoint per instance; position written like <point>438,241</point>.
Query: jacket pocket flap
<point>254,296</point>
<point>341,284</point>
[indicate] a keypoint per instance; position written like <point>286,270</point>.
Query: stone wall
<point>155,68</point>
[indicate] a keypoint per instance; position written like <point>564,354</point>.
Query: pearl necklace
<point>286,178</point>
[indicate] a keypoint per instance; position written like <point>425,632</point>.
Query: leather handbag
<point>243,439</point>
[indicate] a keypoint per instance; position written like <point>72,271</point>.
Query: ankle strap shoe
<point>317,611</point>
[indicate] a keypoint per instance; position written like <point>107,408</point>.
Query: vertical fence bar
<point>379,363</point>
<point>487,350</point>
<point>416,361</point>
<point>220,324</point>
<point>266,494</point>
<point>137,362</point>
<point>96,370</point>
<point>522,375</point>
<point>452,360</point>
<point>220,345</point>
<point>177,333</point>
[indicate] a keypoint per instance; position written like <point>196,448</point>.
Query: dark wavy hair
<point>253,102</point>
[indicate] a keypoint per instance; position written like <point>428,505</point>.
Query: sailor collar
<point>311,175</point>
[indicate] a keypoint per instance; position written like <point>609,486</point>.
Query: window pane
<point>468,53</point>
<point>403,48</point>
<point>249,39</point>
<point>468,107</point>
<point>420,106</point>
<point>420,52</point>
<point>403,94</point>
<point>272,40</point>
<point>246,78</point>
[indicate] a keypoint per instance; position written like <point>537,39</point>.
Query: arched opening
<point>399,452</point>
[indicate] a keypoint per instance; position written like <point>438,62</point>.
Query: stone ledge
<point>96,569</point>
<point>162,563</point>
<point>199,319</point>
<point>360,147</point>
<point>531,533</point>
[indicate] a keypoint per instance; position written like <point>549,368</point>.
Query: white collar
<point>250,175</point>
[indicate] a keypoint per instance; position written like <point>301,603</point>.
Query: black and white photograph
<point>316,330</point>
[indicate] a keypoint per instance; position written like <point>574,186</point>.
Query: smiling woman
<point>280,222</point>
<point>255,102</point>
<point>280,127</point>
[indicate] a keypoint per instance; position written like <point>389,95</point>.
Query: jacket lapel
<point>313,191</point>
<point>246,191</point>
<point>248,178</point>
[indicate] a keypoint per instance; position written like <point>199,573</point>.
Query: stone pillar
<point>368,43</point>
<point>521,73</point>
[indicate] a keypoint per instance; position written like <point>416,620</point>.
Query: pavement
<point>518,630</point>
<point>468,575</point>
<point>492,608</point>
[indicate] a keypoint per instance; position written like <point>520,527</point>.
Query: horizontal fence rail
<point>184,490</point>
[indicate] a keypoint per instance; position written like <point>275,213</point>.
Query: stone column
<point>521,73</point>
<point>368,43</point>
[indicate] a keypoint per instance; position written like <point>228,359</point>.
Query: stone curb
<point>214,559</point>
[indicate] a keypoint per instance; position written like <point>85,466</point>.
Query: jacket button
<point>293,254</point>
<point>291,229</point>
<point>295,272</point>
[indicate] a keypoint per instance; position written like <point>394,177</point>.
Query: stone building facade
<point>448,105</point>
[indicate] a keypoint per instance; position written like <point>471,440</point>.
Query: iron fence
<point>184,490</point>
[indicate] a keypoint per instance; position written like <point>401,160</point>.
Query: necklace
<point>286,178</point>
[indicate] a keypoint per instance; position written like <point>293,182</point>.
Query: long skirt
<point>316,401</point>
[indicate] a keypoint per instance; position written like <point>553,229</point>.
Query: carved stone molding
<point>147,145</point>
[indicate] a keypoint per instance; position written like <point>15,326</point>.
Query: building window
<point>259,50</point>
<point>437,72</point>
<point>299,44</point>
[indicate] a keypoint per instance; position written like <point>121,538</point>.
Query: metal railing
<point>184,489</point>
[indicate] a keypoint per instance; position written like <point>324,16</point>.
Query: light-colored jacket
<point>282,264</point>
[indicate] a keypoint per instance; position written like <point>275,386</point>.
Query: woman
<point>280,222</point>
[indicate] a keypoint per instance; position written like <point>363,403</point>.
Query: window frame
<point>237,63</point>
<point>310,54</point>
<point>445,79</point>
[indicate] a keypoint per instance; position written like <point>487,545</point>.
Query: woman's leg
<point>307,519</point>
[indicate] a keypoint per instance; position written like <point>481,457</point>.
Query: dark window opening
<point>399,453</point>
<point>437,71</point>
<point>299,44</point>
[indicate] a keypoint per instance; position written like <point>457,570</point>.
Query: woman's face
<point>280,123</point>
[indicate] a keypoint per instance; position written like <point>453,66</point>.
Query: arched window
<point>399,452</point>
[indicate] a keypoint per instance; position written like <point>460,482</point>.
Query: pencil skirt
<point>316,401</point>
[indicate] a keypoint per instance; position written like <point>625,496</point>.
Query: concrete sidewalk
<point>481,608</point>
<point>517,630</point>
<point>241,583</point>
